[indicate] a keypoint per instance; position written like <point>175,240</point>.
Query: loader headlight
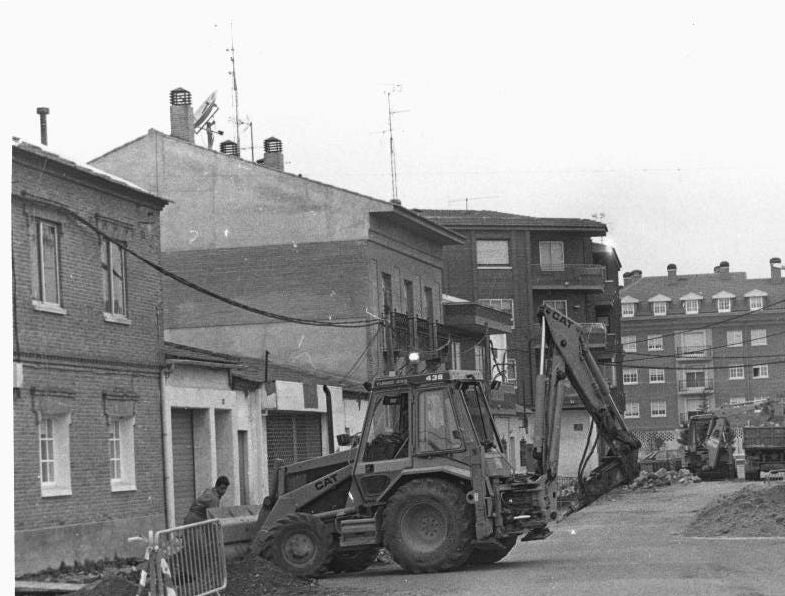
<point>414,356</point>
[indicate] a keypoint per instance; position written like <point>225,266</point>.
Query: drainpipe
<point>166,435</point>
<point>330,431</point>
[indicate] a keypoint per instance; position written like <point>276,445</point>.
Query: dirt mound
<point>756,510</point>
<point>112,585</point>
<point>251,575</point>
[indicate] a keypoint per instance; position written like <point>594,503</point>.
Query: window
<point>46,264</point>
<point>629,376</point>
<point>493,253</point>
<point>429,304</point>
<point>502,304</point>
<point>121,454</point>
<point>691,307</point>
<point>54,455</point>
<point>633,410</point>
<point>693,344</point>
<point>659,309</point>
<point>735,373</point>
<point>551,255</point>
<point>628,343</point>
<point>734,339</point>
<point>654,343</point>
<point>760,371</point>
<point>114,279</point>
<point>659,409</point>
<point>388,429</point>
<point>756,302</point>
<point>502,367</point>
<point>723,304</point>
<point>387,295</point>
<point>438,427</point>
<point>656,375</point>
<point>628,310</point>
<point>408,291</point>
<point>560,305</point>
<point>758,337</point>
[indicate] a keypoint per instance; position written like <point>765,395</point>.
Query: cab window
<point>388,431</point>
<point>438,429</point>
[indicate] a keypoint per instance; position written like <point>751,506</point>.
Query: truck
<point>428,479</point>
<point>764,450</point>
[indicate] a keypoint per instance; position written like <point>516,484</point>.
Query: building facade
<point>699,341</point>
<point>517,263</point>
<point>87,352</point>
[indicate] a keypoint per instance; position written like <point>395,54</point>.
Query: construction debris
<point>663,477</point>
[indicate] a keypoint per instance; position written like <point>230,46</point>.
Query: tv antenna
<point>393,168</point>
<point>235,95</point>
<point>466,200</point>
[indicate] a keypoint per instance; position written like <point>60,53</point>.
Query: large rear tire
<point>487,555</point>
<point>300,544</point>
<point>428,526</point>
<point>351,561</point>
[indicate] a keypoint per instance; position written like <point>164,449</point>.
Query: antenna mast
<point>393,170</point>
<point>235,95</point>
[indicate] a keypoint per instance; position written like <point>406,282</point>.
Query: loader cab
<point>420,424</point>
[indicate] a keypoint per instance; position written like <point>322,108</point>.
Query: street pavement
<point>627,543</point>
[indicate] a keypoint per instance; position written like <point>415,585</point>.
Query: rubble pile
<point>663,477</point>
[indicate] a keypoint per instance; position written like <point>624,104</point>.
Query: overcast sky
<point>666,117</point>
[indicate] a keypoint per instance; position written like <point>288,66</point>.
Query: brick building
<point>698,341</point>
<point>87,358</point>
<point>517,263</point>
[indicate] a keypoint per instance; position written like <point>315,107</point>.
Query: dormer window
<point>756,299</point>
<point>691,307</point>
<point>628,310</point>
<point>723,301</point>
<point>723,305</point>
<point>659,305</point>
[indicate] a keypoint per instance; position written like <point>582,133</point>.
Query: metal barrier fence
<point>195,556</point>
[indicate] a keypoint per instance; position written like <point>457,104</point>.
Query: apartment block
<point>698,341</point>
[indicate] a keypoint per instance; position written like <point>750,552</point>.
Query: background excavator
<point>428,479</point>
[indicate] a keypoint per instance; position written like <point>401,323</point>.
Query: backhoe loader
<point>428,479</point>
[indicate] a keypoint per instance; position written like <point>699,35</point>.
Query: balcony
<point>693,352</point>
<point>580,276</point>
<point>696,386</point>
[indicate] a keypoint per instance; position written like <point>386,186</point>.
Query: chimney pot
<point>723,268</point>
<point>776,268</point>
<point>230,148</point>
<point>671,271</point>
<point>273,154</point>
<point>42,113</point>
<point>181,114</point>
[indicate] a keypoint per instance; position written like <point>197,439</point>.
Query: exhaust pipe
<point>42,112</point>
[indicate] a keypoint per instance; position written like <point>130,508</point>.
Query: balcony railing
<point>579,276</point>
<point>407,333</point>
<point>696,386</point>
<point>690,352</point>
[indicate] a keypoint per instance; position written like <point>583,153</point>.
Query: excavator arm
<point>565,355</point>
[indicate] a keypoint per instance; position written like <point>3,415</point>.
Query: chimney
<point>723,268</point>
<point>230,148</point>
<point>273,154</point>
<point>181,115</point>
<point>776,268</point>
<point>671,272</point>
<point>42,112</point>
<point>627,277</point>
<point>636,274</point>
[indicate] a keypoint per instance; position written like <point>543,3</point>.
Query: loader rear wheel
<point>351,561</point>
<point>486,555</point>
<point>299,543</point>
<point>428,526</point>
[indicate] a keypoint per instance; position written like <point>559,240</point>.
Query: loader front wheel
<point>429,526</point>
<point>300,544</point>
<point>487,555</point>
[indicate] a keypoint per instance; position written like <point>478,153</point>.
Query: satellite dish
<point>205,111</point>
